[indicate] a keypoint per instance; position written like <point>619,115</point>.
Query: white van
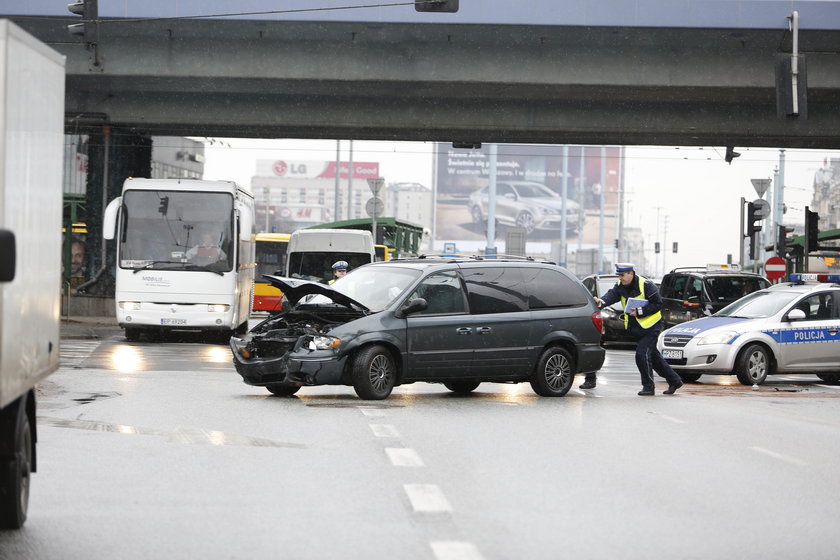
<point>312,252</point>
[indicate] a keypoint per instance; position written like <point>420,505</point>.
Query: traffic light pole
<point>741,235</point>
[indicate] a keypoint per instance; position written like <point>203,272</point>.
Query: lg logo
<point>280,168</point>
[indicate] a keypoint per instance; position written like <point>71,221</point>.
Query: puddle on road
<point>179,435</point>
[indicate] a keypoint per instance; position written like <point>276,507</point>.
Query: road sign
<point>775,268</point>
<point>374,207</point>
<point>760,186</point>
<point>375,186</point>
<point>762,208</point>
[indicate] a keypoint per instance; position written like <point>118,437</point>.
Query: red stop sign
<point>775,268</point>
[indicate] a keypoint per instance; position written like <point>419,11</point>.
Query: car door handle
<point>483,330</point>
<point>463,330</point>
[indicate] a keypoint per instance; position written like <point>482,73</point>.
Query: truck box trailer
<point>31,152</point>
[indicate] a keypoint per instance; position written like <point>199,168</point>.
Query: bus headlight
<point>217,307</point>
<point>130,305</point>
<point>321,342</point>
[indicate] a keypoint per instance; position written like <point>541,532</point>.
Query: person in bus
<point>339,269</point>
<point>207,251</point>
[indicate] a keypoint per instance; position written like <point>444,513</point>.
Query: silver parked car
<point>526,204</point>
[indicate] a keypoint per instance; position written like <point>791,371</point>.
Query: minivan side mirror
<point>411,306</point>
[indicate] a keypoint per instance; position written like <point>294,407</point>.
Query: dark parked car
<point>459,322</point>
<point>691,293</point>
<point>613,316</point>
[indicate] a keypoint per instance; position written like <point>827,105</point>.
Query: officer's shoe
<point>672,388</point>
<point>587,385</point>
<point>647,393</point>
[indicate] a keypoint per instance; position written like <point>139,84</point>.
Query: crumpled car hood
<point>294,289</point>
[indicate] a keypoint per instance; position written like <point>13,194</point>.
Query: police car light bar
<point>799,277</point>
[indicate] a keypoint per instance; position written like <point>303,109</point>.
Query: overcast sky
<point>692,193</point>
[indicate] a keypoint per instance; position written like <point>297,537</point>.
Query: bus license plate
<point>173,321</point>
<point>672,354</point>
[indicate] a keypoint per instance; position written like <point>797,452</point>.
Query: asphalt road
<point>160,451</point>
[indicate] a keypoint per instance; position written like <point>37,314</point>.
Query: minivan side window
<point>443,294</point>
<point>551,288</point>
<point>495,290</point>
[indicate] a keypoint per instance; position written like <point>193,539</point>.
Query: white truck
<point>312,252</point>
<point>31,154</point>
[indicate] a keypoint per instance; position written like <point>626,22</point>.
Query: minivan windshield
<point>758,305</point>
<point>375,287</point>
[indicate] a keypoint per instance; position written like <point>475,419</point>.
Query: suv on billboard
<point>526,204</point>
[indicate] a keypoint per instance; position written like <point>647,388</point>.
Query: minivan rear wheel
<point>554,374</point>
<point>374,373</point>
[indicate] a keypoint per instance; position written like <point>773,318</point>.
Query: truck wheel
<point>374,373</point>
<point>462,387</point>
<point>15,473</point>
<point>554,374</point>
<point>753,365</point>
<point>282,390</point>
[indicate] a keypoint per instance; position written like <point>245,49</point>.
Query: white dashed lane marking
<point>455,550</point>
<point>780,457</point>
<point>384,430</point>
<point>404,457</point>
<point>427,498</point>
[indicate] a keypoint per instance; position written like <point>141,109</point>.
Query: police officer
<point>644,323</point>
<point>339,269</point>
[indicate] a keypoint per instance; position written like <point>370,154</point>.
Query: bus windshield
<point>176,230</point>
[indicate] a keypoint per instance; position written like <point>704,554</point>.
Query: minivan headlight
<point>724,337</point>
<point>321,342</point>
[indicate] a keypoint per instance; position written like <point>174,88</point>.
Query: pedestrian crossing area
<point>73,353</point>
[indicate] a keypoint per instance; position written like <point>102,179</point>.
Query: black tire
<point>689,377</point>
<point>374,373</point>
<point>16,471</point>
<point>477,216</point>
<point>830,378</point>
<point>525,220</point>
<point>132,334</point>
<point>241,329</point>
<point>462,387</point>
<point>282,390</point>
<point>753,365</point>
<point>554,374</point>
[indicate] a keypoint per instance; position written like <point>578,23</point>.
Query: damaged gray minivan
<point>455,321</point>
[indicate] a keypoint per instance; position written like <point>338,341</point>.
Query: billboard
<point>528,192</point>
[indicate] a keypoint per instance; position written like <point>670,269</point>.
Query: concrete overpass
<point>662,72</point>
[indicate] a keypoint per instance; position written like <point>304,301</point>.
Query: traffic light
<point>782,239</point>
<point>730,154</point>
<point>675,247</point>
<point>656,247</point>
<point>89,10</point>
<point>436,5</point>
<point>812,230</point>
<point>753,226</point>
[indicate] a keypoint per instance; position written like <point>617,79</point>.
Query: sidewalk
<point>80,327</point>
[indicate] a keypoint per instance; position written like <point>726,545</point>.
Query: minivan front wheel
<point>554,374</point>
<point>374,373</point>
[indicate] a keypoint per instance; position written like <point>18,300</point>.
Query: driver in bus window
<point>207,251</point>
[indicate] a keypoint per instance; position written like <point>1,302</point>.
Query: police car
<point>793,327</point>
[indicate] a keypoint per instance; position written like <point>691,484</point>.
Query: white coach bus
<point>185,256</point>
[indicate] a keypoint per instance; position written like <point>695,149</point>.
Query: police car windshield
<point>758,304</point>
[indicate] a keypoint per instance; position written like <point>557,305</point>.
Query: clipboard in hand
<point>634,303</point>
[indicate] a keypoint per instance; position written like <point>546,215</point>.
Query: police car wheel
<point>753,365</point>
<point>830,378</point>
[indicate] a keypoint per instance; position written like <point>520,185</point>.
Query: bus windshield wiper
<point>153,263</point>
<point>204,268</point>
